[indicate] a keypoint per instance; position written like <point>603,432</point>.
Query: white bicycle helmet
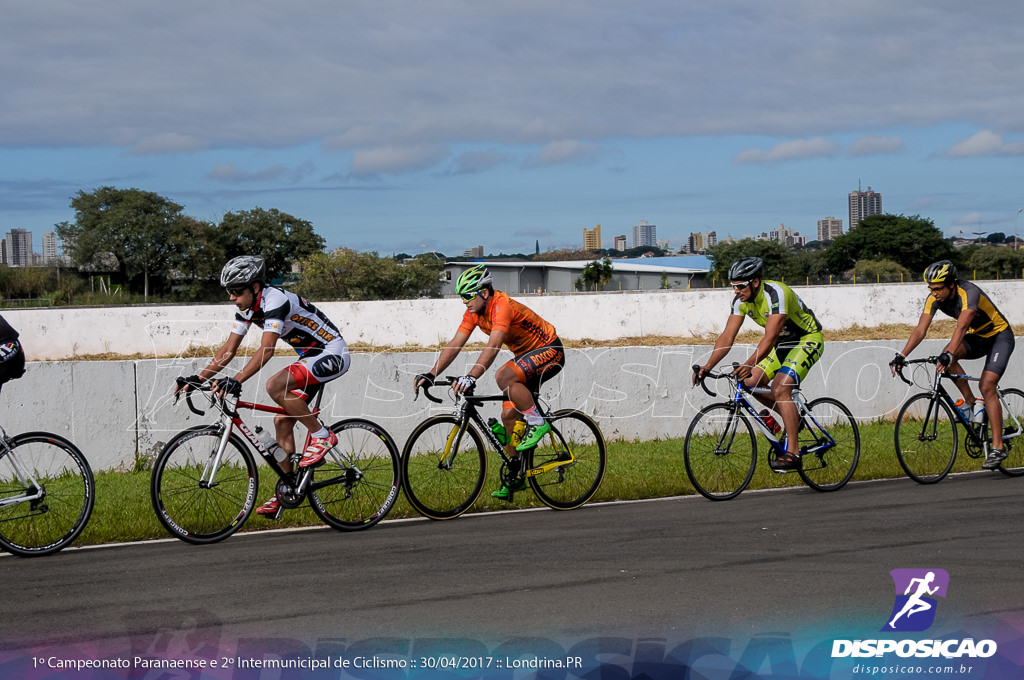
<point>242,271</point>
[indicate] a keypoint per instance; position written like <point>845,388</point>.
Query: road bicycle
<point>927,436</point>
<point>47,492</point>
<point>444,463</point>
<point>720,449</point>
<point>205,480</point>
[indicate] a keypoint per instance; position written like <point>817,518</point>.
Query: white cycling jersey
<point>296,320</point>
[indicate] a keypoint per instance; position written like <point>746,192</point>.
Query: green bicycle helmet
<point>473,280</point>
<point>942,271</point>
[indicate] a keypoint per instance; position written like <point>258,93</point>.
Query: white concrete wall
<point>170,330</point>
<point>118,411</point>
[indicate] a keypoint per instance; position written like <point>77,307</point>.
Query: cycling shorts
<point>12,361</point>
<point>997,348</point>
<point>310,371</point>
<point>794,358</point>
<point>536,367</point>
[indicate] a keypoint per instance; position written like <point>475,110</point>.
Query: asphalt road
<point>677,568</point>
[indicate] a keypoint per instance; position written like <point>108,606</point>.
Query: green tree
<point>597,274</point>
<point>882,271</point>
<point>278,237</point>
<point>142,230</point>
<point>775,255</point>
<point>913,242</point>
<point>349,275</point>
<point>993,262</point>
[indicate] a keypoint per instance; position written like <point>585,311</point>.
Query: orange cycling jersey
<point>524,329</point>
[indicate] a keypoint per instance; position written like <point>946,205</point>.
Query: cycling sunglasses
<point>236,292</point>
<point>466,297</point>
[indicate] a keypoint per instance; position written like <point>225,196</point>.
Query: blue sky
<point>414,126</point>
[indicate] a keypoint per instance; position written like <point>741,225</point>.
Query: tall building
<point>829,229</point>
<point>695,244</point>
<point>477,251</point>
<point>620,242</point>
<point>18,248</point>
<point>645,234</point>
<point>864,204</point>
<point>50,255</point>
<point>710,239</point>
<point>787,237</point>
<point>592,238</point>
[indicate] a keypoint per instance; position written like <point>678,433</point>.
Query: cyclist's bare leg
<point>522,400</point>
<point>993,409</point>
<point>782,392</point>
<point>284,427</point>
<point>280,388</point>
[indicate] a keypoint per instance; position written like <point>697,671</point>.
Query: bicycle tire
<point>829,469</point>
<point>436,490</point>
<point>574,437</point>
<point>349,500</point>
<point>926,438</point>
<point>203,514</point>
<point>1013,464</point>
<point>720,452</point>
<point>51,523</point>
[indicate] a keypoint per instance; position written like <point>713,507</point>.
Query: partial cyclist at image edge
<point>537,351</point>
<point>12,356</point>
<point>281,315</point>
<point>792,343</point>
<point>981,331</point>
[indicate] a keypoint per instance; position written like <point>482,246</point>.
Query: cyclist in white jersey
<point>280,314</point>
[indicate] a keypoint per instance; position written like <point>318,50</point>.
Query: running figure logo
<point>914,608</point>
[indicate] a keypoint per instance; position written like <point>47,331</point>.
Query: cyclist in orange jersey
<point>538,357</point>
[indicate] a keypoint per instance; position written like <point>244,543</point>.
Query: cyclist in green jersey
<point>792,343</point>
<point>981,331</point>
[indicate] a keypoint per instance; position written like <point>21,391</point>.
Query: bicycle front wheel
<point>443,471</point>
<point>829,444</point>
<point>189,503</point>
<point>1013,431</point>
<point>567,466</point>
<point>926,438</point>
<point>56,484</point>
<point>720,452</point>
<point>358,481</point>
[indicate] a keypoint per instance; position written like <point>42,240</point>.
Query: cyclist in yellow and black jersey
<point>981,331</point>
<point>792,343</point>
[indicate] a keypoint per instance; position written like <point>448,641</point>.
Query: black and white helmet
<point>746,269</point>
<point>243,270</point>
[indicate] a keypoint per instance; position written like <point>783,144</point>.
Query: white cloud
<point>478,161</point>
<point>229,172</point>
<point>165,142</point>
<point>563,151</point>
<point>875,146</point>
<point>985,143</point>
<point>394,159</point>
<point>792,150</point>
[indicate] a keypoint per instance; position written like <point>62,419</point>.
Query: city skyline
<point>511,123</point>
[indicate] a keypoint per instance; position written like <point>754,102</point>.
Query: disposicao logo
<point>914,610</point>
<point>915,605</point>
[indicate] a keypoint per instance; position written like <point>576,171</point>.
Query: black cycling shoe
<point>785,462</point>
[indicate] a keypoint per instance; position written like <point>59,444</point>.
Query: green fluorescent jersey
<point>778,298</point>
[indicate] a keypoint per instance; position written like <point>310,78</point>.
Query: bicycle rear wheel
<point>573,459</point>
<point>442,472</point>
<point>926,438</point>
<point>358,481</point>
<point>720,452</point>
<point>192,507</point>
<point>66,490</point>
<point>830,445</point>
<point>1013,423</point>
